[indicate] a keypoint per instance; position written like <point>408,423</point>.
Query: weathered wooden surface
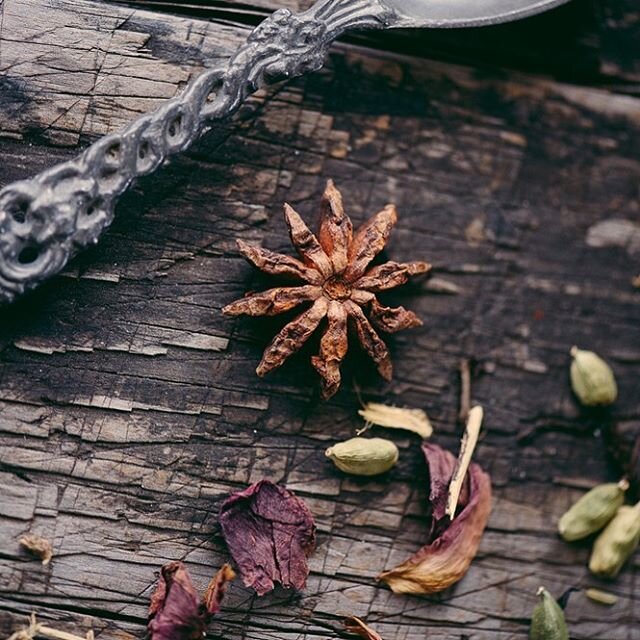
<point>128,404</point>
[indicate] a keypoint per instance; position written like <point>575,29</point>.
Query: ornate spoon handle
<point>45,220</point>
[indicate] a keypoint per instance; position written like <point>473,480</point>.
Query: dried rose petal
<point>214,594</point>
<point>176,610</point>
<point>270,534</point>
<point>451,545</point>
<point>357,626</point>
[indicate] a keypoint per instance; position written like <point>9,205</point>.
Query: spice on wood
<point>337,284</point>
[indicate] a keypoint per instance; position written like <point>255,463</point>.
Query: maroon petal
<point>175,606</point>
<point>451,545</point>
<point>270,534</point>
<point>176,611</point>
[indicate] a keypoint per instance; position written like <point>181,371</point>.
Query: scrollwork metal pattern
<point>47,219</point>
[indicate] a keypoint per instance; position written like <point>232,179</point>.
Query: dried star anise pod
<point>336,285</point>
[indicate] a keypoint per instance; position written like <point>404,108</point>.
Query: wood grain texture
<point>128,404</point>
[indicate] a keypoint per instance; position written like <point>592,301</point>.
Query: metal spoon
<point>45,220</point>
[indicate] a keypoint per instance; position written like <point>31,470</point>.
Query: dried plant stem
<point>36,629</point>
<point>465,390</point>
<point>61,635</point>
<point>467,447</point>
<point>367,426</point>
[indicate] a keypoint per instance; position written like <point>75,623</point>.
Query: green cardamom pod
<point>616,543</point>
<point>592,379</point>
<point>364,456</point>
<point>592,511</point>
<point>547,620</point>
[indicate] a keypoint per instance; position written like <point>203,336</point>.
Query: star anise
<point>337,285</point>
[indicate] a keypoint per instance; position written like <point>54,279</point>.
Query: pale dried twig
<point>36,629</point>
<point>469,442</point>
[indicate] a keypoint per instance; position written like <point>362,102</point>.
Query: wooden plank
<point>128,404</point>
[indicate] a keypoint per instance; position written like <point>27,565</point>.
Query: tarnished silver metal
<point>45,220</point>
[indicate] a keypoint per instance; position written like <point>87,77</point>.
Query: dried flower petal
<point>270,534</point>
<point>383,415</point>
<point>176,611</point>
<point>451,545</point>
<point>37,546</point>
<point>217,589</point>
<point>355,625</point>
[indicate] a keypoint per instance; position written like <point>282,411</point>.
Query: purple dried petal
<point>175,605</point>
<point>176,611</point>
<point>451,545</point>
<point>270,534</point>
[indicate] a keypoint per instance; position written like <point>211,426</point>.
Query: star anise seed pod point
<point>334,280</point>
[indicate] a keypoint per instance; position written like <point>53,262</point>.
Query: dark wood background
<point>128,404</point>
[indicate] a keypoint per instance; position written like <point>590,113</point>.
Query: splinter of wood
<point>467,447</point>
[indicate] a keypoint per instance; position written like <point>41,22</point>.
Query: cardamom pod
<point>592,511</point>
<point>592,379</point>
<point>616,543</point>
<point>547,620</point>
<point>364,456</point>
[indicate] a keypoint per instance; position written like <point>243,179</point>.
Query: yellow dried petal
<point>384,415</point>
<point>601,597</point>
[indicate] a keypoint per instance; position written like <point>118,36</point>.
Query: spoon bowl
<point>464,13</point>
